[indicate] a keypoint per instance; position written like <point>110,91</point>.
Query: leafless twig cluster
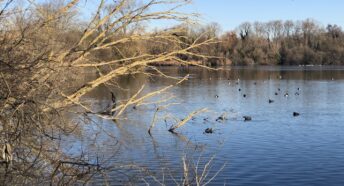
<point>45,47</point>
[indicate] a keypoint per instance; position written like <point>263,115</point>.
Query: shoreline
<point>222,64</point>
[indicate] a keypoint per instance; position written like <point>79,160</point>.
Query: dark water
<point>275,148</point>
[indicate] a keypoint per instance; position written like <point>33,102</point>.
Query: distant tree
<point>245,30</point>
<point>288,27</point>
<point>334,31</point>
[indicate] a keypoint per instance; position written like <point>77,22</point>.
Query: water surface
<point>275,148</point>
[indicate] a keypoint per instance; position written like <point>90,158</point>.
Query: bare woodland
<point>276,42</point>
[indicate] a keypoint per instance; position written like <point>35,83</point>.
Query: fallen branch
<point>184,121</point>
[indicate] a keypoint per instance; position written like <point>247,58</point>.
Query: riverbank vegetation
<point>275,42</point>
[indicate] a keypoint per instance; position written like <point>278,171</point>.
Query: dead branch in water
<point>185,120</point>
<point>153,121</point>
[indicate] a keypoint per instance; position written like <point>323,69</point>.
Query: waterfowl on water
<point>222,117</point>
<point>286,94</point>
<point>296,114</point>
<point>244,95</point>
<point>208,131</point>
<point>271,101</point>
<point>276,93</point>
<point>247,118</point>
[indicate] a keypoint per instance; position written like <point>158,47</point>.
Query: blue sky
<point>230,13</point>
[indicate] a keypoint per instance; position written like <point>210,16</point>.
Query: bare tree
<point>245,30</point>
<point>288,27</point>
<point>277,29</point>
<point>334,30</point>
<point>42,59</point>
<point>308,27</point>
<point>259,29</point>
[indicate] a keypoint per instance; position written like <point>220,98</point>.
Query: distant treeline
<point>272,43</point>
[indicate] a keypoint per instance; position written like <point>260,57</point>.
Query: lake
<point>274,148</point>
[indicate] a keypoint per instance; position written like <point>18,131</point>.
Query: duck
<point>208,131</point>
<point>221,118</point>
<point>271,101</point>
<point>296,114</point>
<point>247,118</point>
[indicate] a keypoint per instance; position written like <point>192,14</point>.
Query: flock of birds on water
<point>249,118</point>
<point>218,119</point>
